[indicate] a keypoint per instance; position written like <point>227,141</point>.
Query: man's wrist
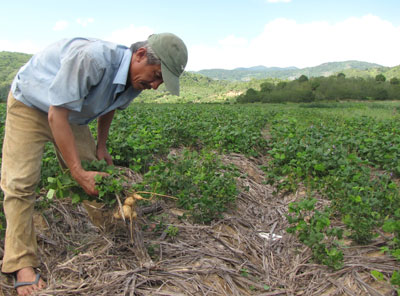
<point>77,172</point>
<point>101,147</point>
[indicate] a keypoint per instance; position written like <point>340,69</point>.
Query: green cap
<point>173,55</point>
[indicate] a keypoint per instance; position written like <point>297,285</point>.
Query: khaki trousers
<point>26,133</point>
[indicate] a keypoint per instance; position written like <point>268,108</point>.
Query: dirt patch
<point>248,252</point>
<point>233,93</point>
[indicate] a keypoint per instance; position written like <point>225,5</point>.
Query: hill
<point>197,88</point>
<point>10,62</point>
<point>261,72</point>
<point>388,72</point>
<point>246,74</point>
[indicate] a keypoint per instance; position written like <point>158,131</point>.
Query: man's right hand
<point>86,180</point>
<point>64,138</point>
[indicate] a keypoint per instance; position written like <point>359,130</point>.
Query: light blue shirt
<point>86,76</point>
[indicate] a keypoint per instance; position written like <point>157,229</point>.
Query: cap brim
<point>171,81</point>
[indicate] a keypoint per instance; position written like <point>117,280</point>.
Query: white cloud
<point>232,40</point>
<point>60,25</point>
<point>279,1</point>
<point>84,22</point>
<point>284,42</point>
<point>129,35</point>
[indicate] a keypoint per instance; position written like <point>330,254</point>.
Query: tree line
<point>333,88</point>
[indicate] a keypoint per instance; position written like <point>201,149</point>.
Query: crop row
<point>144,131</point>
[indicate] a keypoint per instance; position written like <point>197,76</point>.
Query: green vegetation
<point>372,72</point>
<point>197,88</point>
<point>63,185</point>
<point>334,88</point>
<point>314,229</point>
<point>203,185</point>
<point>144,131</point>
<point>351,161</point>
<point>10,62</point>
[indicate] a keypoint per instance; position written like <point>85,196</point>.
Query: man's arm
<point>64,138</point>
<point>103,126</point>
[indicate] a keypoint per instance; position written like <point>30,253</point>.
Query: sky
<point>218,33</point>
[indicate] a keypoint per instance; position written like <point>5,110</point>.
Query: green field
<point>345,153</point>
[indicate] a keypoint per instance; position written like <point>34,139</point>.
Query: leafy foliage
<point>142,132</point>
<point>314,230</point>
<point>342,159</point>
<point>332,88</point>
<point>395,280</point>
<point>203,185</point>
<point>64,185</point>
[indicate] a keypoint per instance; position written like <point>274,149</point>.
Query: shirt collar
<point>122,75</point>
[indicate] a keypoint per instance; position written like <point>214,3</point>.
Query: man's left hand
<point>102,153</point>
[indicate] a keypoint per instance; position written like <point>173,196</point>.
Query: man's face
<point>142,75</point>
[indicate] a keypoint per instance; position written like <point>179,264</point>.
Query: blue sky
<point>218,33</point>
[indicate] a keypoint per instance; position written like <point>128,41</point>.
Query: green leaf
<point>395,279</point>
<point>377,275</point>
<point>75,198</point>
<point>389,226</point>
<point>98,178</point>
<point>50,194</point>
<point>320,167</point>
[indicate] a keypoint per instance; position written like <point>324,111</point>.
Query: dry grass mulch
<point>232,256</point>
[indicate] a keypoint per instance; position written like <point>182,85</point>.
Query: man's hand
<point>102,153</point>
<point>87,182</point>
<point>64,138</point>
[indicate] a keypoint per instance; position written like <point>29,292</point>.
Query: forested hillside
<point>245,74</point>
<point>197,88</point>
<point>10,62</point>
<point>261,72</point>
<point>388,72</point>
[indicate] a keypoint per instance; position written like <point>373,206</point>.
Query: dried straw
<point>228,257</point>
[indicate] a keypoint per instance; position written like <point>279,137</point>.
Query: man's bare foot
<point>27,274</point>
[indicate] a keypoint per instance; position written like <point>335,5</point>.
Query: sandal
<point>20,284</point>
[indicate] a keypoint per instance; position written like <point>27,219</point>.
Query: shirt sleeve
<point>123,107</point>
<point>78,73</point>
